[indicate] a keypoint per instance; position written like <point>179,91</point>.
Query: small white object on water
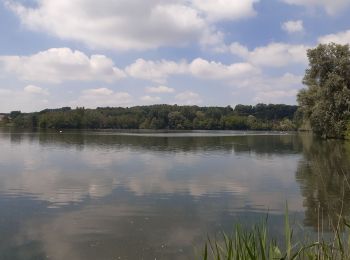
<point>60,131</point>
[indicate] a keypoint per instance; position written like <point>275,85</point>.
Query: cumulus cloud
<point>293,26</point>
<point>131,24</point>
<point>156,71</point>
<point>226,9</point>
<point>160,89</point>
<point>57,65</point>
<point>159,71</point>
<point>264,82</point>
<point>150,99</point>
<point>31,89</point>
<point>99,97</point>
<point>216,70</point>
<point>98,92</point>
<point>238,49</point>
<point>330,6</point>
<point>272,55</point>
<point>188,98</point>
<point>340,38</point>
<point>274,96</point>
<point>112,24</point>
<point>29,99</point>
<point>271,89</point>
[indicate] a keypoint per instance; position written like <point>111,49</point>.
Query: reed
<point>256,243</point>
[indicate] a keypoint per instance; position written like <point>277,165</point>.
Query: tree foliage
<point>259,117</point>
<point>325,103</point>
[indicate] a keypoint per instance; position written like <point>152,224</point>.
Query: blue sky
<point>134,52</point>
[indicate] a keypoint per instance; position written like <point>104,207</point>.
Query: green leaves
<point>326,100</point>
<point>256,244</point>
<point>259,117</point>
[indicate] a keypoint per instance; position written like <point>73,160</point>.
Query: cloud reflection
<point>237,166</point>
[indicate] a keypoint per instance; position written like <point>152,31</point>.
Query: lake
<point>157,195</point>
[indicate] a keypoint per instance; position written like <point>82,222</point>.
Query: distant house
<point>2,116</point>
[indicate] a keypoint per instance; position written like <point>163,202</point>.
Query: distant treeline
<point>242,117</point>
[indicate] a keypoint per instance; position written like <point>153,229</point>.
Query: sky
<point>89,53</point>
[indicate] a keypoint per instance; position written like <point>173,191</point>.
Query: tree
<point>14,114</point>
<point>176,120</point>
<point>326,100</point>
<point>158,117</point>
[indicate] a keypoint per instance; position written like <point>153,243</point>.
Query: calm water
<point>118,195</point>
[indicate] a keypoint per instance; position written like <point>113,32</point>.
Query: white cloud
<point>132,24</point>
<point>215,70</point>
<point>211,38</point>
<point>269,89</point>
<point>156,71</point>
<point>226,9</point>
<point>272,55</point>
<point>340,38</point>
<point>125,24</point>
<point>293,26</point>
<point>150,99</point>
<point>238,49</point>
<point>99,97</point>
<point>330,6</point>
<point>275,96</point>
<point>98,92</point>
<point>159,71</point>
<point>160,89</point>
<point>61,64</point>
<point>188,98</point>
<point>35,90</point>
<point>27,100</point>
<point>4,91</point>
<point>264,82</point>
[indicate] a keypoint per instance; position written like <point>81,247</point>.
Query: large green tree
<point>325,103</point>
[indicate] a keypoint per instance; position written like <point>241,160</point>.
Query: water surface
<point>156,195</point>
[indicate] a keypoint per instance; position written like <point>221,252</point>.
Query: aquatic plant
<point>256,243</point>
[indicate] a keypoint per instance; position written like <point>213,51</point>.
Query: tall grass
<point>256,243</point>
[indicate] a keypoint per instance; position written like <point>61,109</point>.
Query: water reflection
<point>67,168</point>
<point>324,176</point>
<point>98,195</point>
